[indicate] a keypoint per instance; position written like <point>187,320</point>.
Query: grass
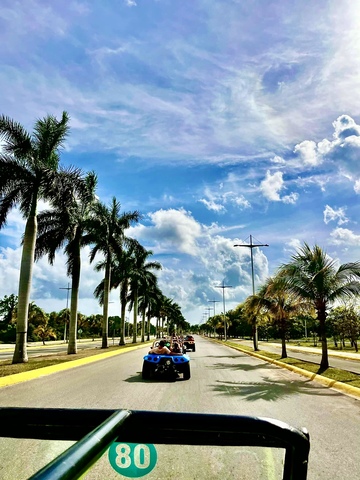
<point>7,368</point>
<point>336,374</point>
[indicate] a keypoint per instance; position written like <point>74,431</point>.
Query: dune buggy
<point>166,367</point>
<point>189,343</point>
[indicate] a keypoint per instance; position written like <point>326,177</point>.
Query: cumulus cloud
<point>175,230</point>
<point>338,215</point>
<point>271,187</point>
<point>342,152</point>
<point>344,236</point>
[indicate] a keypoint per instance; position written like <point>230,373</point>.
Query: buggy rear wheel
<point>186,371</point>
<point>146,371</point>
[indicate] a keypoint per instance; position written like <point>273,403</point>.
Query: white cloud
<point>216,200</point>
<point>175,230</point>
<point>344,236</point>
<point>357,186</point>
<point>338,215</point>
<point>292,198</point>
<point>272,185</point>
<point>277,159</point>
<point>308,153</point>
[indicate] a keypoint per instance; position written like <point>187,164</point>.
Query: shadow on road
<point>241,366</point>
<point>270,390</point>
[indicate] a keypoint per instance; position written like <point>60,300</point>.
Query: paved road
<point>223,381</point>
<point>344,360</point>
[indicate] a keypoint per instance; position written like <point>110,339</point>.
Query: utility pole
<point>67,306</point>
<point>214,301</point>
<point>223,286</point>
<point>251,246</point>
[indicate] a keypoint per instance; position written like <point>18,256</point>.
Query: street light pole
<point>67,305</point>
<point>223,286</point>
<point>252,246</point>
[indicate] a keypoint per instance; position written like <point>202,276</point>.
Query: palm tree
<point>147,291</point>
<point>280,305</point>
<point>138,272</point>
<point>66,224</point>
<point>107,234</point>
<point>120,268</point>
<point>313,275</point>
<point>28,172</point>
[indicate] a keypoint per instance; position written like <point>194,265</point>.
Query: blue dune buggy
<point>166,367</point>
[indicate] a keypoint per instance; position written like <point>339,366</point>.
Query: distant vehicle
<point>168,367</point>
<point>189,343</point>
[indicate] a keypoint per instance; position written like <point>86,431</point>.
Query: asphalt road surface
<point>223,381</point>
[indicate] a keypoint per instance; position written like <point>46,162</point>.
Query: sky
<point>216,120</point>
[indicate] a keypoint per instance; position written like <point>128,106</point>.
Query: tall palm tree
<point>281,305</point>
<point>121,266</point>
<point>107,234</point>
<point>313,275</point>
<point>66,224</point>
<point>29,166</point>
<point>147,289</point>
<point>138,272</point>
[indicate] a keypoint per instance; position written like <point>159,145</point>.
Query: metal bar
<point>75,461</point>
<point>138,426</point>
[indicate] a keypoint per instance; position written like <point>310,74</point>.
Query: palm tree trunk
<point>123,292</point>
<point>324,364</point>
<point>75,282</point>
<point>283,339</point>
<point>135,308</point>
<point>26,268</point>
<point>255,335</point>
<point>143,325</point>
<point>148,327</point>
<point>106,306</point>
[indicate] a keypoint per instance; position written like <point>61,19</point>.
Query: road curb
<point>41,372</point>
<point>327,382</point>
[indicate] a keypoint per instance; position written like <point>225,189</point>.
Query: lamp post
<point>67,306</point>
<point>251,246</point>
<point>223,286</point>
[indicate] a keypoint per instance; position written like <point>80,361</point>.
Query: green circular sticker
<point>132,460</point>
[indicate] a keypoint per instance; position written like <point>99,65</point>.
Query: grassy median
<point>335,374</point>
<point>7,368</point>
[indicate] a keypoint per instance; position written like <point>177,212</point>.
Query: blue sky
<point>217,120</point>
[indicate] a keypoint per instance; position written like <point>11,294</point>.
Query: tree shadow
<point>270,390</point>
<point>240,366</point>
<point>224,356</point>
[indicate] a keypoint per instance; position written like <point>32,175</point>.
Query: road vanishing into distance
<point>223,381</point>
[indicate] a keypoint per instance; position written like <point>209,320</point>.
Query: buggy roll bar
<point>95,430</point>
